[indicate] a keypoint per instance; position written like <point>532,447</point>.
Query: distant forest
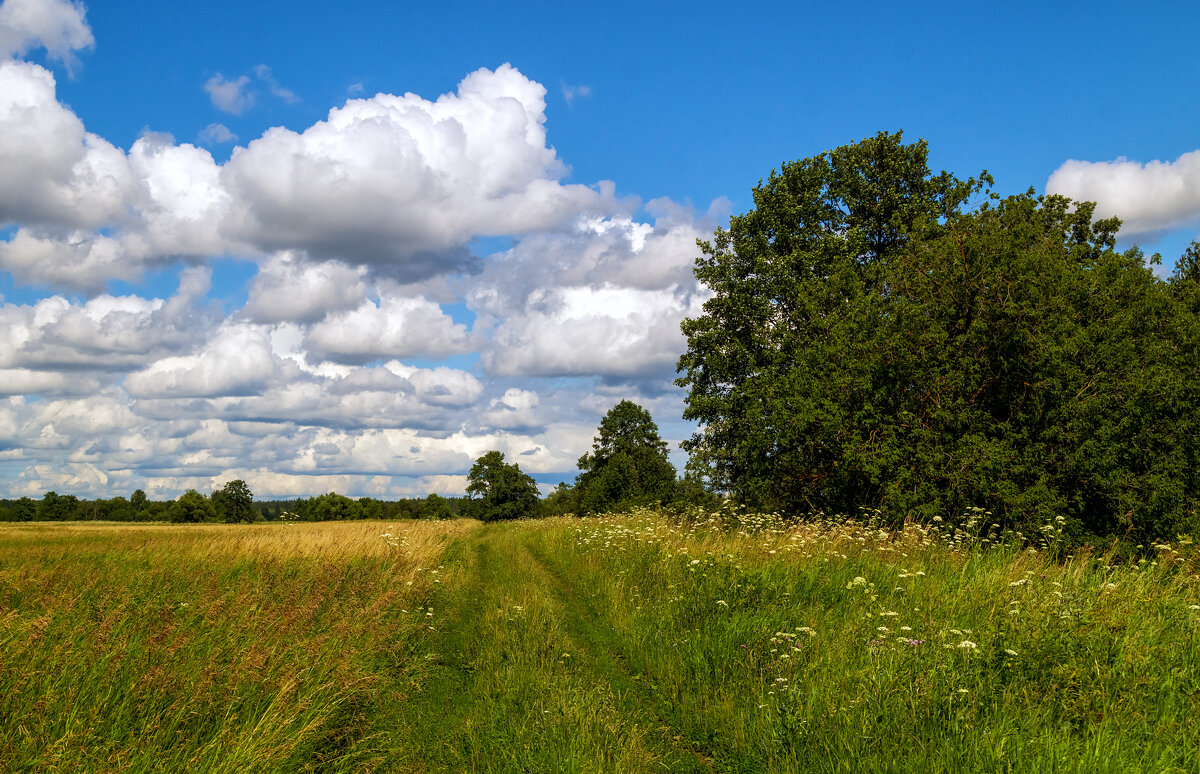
<point>139,508</point>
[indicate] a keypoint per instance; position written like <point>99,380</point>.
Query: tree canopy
<point>436,508</point>
<point>628,463</point>
<point>234,502</point>
<point>332,506</point>
<point>192,508</point>
<point>882,336</point>
<point>502,490</point>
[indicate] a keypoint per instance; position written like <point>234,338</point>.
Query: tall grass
<point>207,649</point>
<point>837,646</point>
<point>724,641</point>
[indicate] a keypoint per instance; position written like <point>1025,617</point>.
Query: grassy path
<point>524,676</point>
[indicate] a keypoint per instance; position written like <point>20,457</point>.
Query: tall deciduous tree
<point>235,502</point>
<point>871,340</point>
<point>503,491</point>
<point>628,463</point>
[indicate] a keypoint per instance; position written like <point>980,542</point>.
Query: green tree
<point>437,508</point>
<point>628,463</point>
<point>235,502</point>
<point>332,506</point>
<point>872,340</point>
<point>118,509</point>
<point>56,507</point>
<point>502,491</point>
<point>138,499</point>
<point>25,509</point>
<point>564,500</point>
<point>370,508</point>
<point>192,508</point>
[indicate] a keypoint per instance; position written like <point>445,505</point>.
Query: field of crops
<point>721,642</point>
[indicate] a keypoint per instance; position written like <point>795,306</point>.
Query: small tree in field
<point>192,508</point>
<point>628,464</point>
<point>234,502</point>
<point>332,506</point>
<point>503,490</point>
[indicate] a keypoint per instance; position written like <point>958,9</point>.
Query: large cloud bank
<point>376,353</point>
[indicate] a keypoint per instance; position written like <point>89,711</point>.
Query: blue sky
<point>206,274</point>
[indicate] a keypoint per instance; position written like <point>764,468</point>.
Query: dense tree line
<point>232,503</point>
<point>334,507</point>
<point>881,336</point>
<point>55,507</point>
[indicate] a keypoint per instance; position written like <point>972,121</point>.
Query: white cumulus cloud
<point>54,171</point>
<point>585,331</point>
<point>406,183</point>
<point>605,299</point>
<point>58,26</point>
<point>179,202</point>
<point>107,333</point>
<point>24,381</point>
<point>1150,197</point>
<point>397,327</point>
<point>288,289</point>
<point>517,410</point>
<point>237,361</point>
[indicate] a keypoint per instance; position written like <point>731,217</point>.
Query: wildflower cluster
<point>939,609</point>
<point>393,540</point>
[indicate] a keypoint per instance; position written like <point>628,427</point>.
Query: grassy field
<point>721,643</point>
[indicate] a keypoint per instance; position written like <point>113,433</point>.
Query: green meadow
<point>710,642</point>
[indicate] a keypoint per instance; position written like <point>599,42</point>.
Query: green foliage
<point>563,501</point>
<point>332,506</point>
<point>436,508</point>
<point>628,464</point>
<point>56,507</point>
<point>503,491</point>
<point>871,341</point>
<point>235,502</point>
<point>1187,269</point>
<point>24,509</point>
<point>116,509</point>
<point>192,508</point>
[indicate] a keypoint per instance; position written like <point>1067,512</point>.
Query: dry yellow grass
<point>207,646</point>
<point>421,541</point>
